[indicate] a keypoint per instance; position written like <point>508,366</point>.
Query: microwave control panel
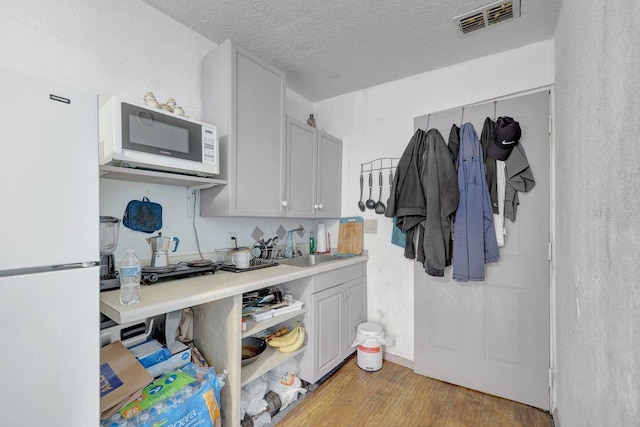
<point>210,148</point>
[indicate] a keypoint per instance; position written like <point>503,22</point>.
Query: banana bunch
<point>290,342</point>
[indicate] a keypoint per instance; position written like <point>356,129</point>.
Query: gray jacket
<point>519,178</point>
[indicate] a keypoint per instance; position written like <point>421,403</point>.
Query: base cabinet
<point>338,303</point>
<point>355,311</point>
<point>328,331</point>
<point>335,303</point>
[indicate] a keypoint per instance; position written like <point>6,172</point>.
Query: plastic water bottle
<point>129,279</point>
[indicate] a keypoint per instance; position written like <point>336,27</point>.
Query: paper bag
<point>122,378</point>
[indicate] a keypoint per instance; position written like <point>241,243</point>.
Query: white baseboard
<point>398,360</point>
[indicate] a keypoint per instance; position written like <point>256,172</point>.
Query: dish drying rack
<point>266,258</point>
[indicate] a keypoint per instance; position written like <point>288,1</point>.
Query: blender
<point>109,227</point>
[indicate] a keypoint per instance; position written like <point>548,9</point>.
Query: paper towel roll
<point>321,238</point>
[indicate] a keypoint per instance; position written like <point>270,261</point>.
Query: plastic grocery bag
<point>284,381</point>
<point>252,397</point>
<point>372,341</point>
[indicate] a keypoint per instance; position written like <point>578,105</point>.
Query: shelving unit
<point>271,358</point>
<point>156,177</point>
<point>264,324</point>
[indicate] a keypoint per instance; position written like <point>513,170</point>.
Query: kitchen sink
<point>307,260</point>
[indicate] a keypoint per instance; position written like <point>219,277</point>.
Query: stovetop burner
<point>163,269</point>
<point>181,271</point>
<point>199,263</point>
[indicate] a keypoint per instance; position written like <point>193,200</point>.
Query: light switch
<point>371,226</point>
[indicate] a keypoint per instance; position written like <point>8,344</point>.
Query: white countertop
<point>177,294</point>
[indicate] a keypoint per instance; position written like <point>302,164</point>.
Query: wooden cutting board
<point>350,236</point>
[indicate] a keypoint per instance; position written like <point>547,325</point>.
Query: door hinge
<point>550,250</point>
<point>550,124</point>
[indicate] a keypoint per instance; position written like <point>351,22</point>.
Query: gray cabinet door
<point>301,169</point>
<point>258,156</point>
<point>327,330</point>
<point>245,97</point>
<point>329,187</point>
<point>355,311</point>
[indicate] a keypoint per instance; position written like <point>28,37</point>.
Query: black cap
<point>506,135</point>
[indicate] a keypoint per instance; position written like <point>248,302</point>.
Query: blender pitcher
<point>109,228</point>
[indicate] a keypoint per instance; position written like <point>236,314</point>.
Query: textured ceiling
<point>331,47</point>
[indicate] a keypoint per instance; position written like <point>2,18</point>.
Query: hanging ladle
<point>379,205</point>
<point>371,204</point>
<point>361,203</point>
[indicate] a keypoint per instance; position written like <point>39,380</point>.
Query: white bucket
<point>370,349</point>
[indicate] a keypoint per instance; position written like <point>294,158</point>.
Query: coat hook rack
<point>381,161</point>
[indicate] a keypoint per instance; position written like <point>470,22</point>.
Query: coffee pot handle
<point>175,239</point>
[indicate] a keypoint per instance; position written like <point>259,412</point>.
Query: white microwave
<point>136,136</point>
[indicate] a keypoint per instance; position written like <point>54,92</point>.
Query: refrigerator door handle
<point>85,264</point>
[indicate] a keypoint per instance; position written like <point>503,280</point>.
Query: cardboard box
<point>150,353</point>
<point>177,360</point>
<point>122,378</point>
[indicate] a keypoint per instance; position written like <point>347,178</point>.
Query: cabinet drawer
<point>332,278</point>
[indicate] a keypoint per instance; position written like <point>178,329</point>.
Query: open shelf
<point>272,321</point>
<point>156,177</point>
<point>271,358</point>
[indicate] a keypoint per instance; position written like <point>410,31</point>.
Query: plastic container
<point>370,348</point>
<point>129,279</point>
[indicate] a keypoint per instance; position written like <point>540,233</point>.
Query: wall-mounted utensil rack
<point>381,162</point>
<point>377,165</point>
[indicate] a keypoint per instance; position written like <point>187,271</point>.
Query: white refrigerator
<point>49,279</point>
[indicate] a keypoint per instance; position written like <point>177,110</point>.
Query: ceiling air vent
<point>486,16</point>
<point>472,23</point>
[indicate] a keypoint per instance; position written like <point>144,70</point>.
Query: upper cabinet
<point>269,172</point>
<point>329,188</point>
<point>245,98</point>
<point>313,172</point>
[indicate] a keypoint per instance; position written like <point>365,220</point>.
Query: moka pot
<point>160,249</point>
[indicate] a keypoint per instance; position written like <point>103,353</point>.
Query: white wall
<point>126,48</point>
<point>378,122</point>
<point>598,213</point>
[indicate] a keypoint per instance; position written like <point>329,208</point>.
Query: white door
<point>493,336</point>
<point>50,352</point>
<point>48,173</point>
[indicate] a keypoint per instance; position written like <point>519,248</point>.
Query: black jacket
<point>423,197</point>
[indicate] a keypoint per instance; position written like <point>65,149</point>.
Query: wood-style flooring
<point>395,396</point>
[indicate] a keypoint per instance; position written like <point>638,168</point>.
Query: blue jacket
<point>474,235</point>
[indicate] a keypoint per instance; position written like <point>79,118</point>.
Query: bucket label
<point>369,349</point>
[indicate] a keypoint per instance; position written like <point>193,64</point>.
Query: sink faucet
<point>290,250</point>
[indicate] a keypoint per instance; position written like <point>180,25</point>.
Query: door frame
<point>552,263</point>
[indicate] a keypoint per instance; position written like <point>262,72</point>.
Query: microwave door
<point>157,133</point>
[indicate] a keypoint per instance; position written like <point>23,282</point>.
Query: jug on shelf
<point>160,249</point>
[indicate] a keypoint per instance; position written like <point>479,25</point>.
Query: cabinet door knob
<point>315,206</point>
<point>284,203</point>
<point>320,206</point>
